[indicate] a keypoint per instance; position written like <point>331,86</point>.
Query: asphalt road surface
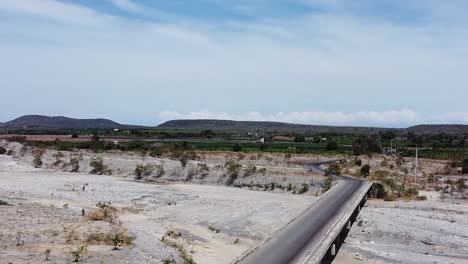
<point>295,242</point>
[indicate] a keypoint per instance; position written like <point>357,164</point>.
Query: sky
<point>386,63</point>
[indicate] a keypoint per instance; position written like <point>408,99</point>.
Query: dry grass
<point>172,239</point>
<point>103,213</point>
<point>106,238</point>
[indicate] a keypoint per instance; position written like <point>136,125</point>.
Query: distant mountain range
<point>61,122</point>
<point>229,125</point>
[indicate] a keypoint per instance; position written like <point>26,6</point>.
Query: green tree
<point>465,164</point>
<point>365,170</point>
<point>299,138</point>
<point>332,145</point>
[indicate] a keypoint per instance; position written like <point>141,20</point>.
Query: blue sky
<point>336,62</point>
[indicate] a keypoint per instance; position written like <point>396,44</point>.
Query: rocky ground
<point>209,224</point>
<point>432,231</point>
<point>187,215</point>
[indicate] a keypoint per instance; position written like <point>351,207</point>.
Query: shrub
<point>168,261</point>
<point>299,138</point>
<point>117,240</point>
<point>233,168</point>
<point>47,254</point>
<point>262,171</point>
<point>358,162</point>
<point>37,161</point>
<point>10,152</point>
<point>332,146</point>
<point>461,186</point>
<point>4,203</point>
<point>237,148</point>
<point>98,166</point>
<point>378,190</point>
<point>104,212</point>
<point>327,184</point>
<point>143,171</point>
<point>249,170</point>
<point>213,229</point>
<point>3,150</point>
<point>75,163</point>
<point>183,160</point>
<point>203,169</point>
<point>465,165</point>
<point>159,170</point>
<point>289,188</point>
<point>58,158</point>
<point>303,189</point>
<point>422,197</point>
<point>365,170</point>
<point>333,169</point>
<point>79,252</point>
<point>390,197</point>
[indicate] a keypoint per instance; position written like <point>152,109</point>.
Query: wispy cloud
<point>56,11</point>
<point>128,5</point>
<point>308,66</point>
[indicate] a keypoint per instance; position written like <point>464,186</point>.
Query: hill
<point>441,128</point>
<point>60,122</point>
<point>225,125</point>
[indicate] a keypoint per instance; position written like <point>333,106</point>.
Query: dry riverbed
<point>210,224</point>
<point>432,231</point>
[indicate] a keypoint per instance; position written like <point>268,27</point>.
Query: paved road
<point>294,242</point>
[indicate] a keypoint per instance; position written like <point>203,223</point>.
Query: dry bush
<point>203,169</point>
<point>171,239</point>
<point>143,171</point>
<point>250,170</point>
<point>390,197</point>
<point>110,239</point>
<point>75,159</point>
<point>97,163</point>
<point>103,213</point>
<point>38,154</point>
<point>79,252</point>
<point>58,158</point>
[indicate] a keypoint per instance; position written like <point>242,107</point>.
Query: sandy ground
<point>433,231</point>
<point>45,212</point>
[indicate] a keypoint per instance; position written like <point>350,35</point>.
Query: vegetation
<point>378,190</point>
<point>332,146</point>
<point>2,151</point>
<point>461,186</point>
<point>105,212</point>
<point>333,169</point>
<point>303,189</point>
<point>143,171</point>
<point>365,171</point>
<point>47,254</point>
<point>4,203</point>
<point>79,252</point>
<point>465,165</point>
<point>327,184</point>
<point>97,163</point>
<point>117,240</point>
<point>37,160</point>
<point>233,168</point>
<point>75,162</point>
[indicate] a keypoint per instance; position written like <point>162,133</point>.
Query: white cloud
<point>390,117</point>
<point>323,61</point>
